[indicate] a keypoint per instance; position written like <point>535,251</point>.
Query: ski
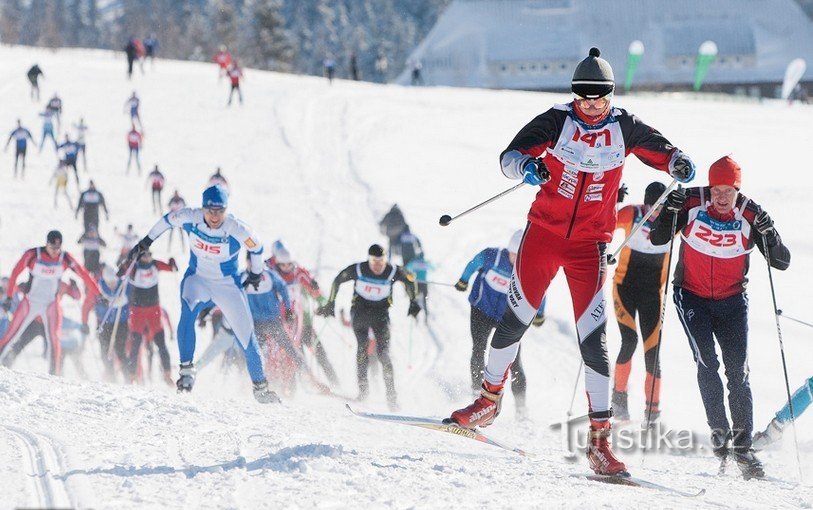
<point>632,481</point>
<point>439,425</point>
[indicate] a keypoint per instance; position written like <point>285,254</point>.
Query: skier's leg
<point>23,316</point>
<point>129,159</point>
<point>52,324</point>
<point>282,339</point>
<point>240,94</point>
<point>361,324</point>
<point>381,331</point>
<point>801,401</point>
<point>518,381</point>
<point>625,311</point>
<point>695,316</point>
<point>481,328</point>
<point>120,346</point>
<point>136,339</point>
<point>731,330</point>
<point>138,160</point>
<point>194,298</point>
<point>232,301</point>
<point>649,317</point>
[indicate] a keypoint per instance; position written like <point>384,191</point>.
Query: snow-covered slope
<point>317,165</point>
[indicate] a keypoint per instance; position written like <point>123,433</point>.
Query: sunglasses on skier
<point>597,102</point>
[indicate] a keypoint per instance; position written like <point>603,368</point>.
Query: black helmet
<point>653,192</point>
<point>54,236</point>
<point>593,76</point>
<point>376,251</point>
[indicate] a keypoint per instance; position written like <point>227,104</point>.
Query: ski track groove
<point>46,466</point>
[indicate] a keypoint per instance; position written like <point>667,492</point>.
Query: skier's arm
<point>281,289</point>
<point>401,275</point>
<point>80,204</point>
<point>347,274</point>
<point>104,205</point>
<point>245,236</point>
<point>474,265</point>
<point>24,262</point>
<point>651,147</point>
<point>308,283</point>
<point>79,269</point>
<point>174,219</point>
<point>662,229</point>
<point>779,253</point>
<point>625,218</point>
<point>531,142</point>
<point>162,266</point>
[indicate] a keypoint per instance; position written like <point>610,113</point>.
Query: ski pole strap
<point>612,259</point>
<point>783,315</point>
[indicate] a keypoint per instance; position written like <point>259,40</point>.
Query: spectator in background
<point>330,69</point>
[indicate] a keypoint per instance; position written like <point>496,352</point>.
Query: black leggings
<point>379,322</point>
<point>481,328</point>
<point>120,346</point>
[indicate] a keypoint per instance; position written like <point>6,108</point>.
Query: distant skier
<point>45,265</point>
<point>81,131</point>
<point>89,203</point>
<point>223,60</point>
<point>392,225</point>
<point>128,240</point>
<point>112,313</point>
<point>217,179</point>
<point>800,401</point>
<point>420,267</point>
<point>20,135</point>
<point>330,69</point>
<point>60,180</point>
<point>33,74</point>
<point>145,312</point>
<point>212,279</point>
<point>141,52</point>
<point>135,141</point>
<point>55,107</point>
<point>487,298</point>
<point>354,67</point>
<point>637,291</point>
<point>48,129</point>
<point>176,203</point>
<point>235,73</point>
<point>151,46</point>
<point>372,296</point>
<point>417,78</point>
<point>719,228</point>
<point>132,105</point>
<point>68,151</point>
<point>156,182</point>
<point>131,52</point>
<point>91,245</point>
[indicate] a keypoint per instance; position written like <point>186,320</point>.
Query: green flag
<point>636,51</point>
<point>705,56</point>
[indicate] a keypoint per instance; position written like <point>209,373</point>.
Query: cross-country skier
<point>156,182</point>
<point>420,267</point>
<point>135,140</point>
<point>145,312</point>
<point>60,180</point>
<point>235,74</point>
<point>176,203</point>
<point>132,104</point>
<point>33,74</point>
<point>212,278</point>
<point>131,51</point>
<point>223,59</point>
<point>494,267</point>
<point>68,151</point>
<point>20,135</point>
<point>112,313</point>
<point>48,129</point>
<point>637,291</point>
<point>81,131</point>
<point>800,401</point>
<point>89,203</point>
<point>392,225</point>
<point>575,152</point>
<point>91,245</point>
<point>45,265</point>
<point>55,107</point>
<point>151,46</point>
<point>373,282</point>
<point>302,288</point>
<point>330,69</point>
<point>719,227</point>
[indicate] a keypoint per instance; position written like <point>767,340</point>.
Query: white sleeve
<point>175,219</point>
<point>245,236</point>
<point>513,164</point>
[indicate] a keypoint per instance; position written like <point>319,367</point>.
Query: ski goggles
<point>597,102</point>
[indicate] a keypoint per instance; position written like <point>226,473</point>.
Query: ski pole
<point>780,312</point>
<point>430,282</point>
<point>409,355</point>
<point>446,219</point>
<point>612,259</point>
<point>116,297</point>
<point>655,366</point>
<point>777,313</point>
<point>575,388</point>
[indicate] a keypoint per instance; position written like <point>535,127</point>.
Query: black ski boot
<point>619,406</point>
<point>749,464</point>
<point>721,446</point>
<point>263,394</point>
<point>187,377</point>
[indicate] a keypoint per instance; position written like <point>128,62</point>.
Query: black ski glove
<point>252,279</point>
<point>414,309</point>
<point>622,193</point>
<point>327,310</point>
<point>461,285</point>
<point>763,223</point>
<point>675,200</point>
<point>134,253</point>
<point>290,316</point>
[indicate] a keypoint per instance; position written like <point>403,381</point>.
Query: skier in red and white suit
<point>46,265</point>
<point>576,153</point>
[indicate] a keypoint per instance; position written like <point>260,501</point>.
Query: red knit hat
<point>724,171</point>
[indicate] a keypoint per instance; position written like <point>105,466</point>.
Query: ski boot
<point>600,455</point>
<point>749,464</point>
<point>772,433</point>
<point>187,377</point>
<point>721,444</point>
<point>483,411</point>
<point>619,405</point>
<point>263,394</point>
